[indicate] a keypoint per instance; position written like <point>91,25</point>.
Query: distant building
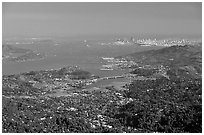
<point>132,40</point>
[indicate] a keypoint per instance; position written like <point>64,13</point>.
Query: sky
<point>72,19</point>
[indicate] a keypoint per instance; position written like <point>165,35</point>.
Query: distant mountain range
<point>17,54</point>
<point>27,57</point>
<point>13,49</point>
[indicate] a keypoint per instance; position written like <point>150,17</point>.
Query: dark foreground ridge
<point>167,99</point>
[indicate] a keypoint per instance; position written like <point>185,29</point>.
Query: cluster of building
<point>121,41</point>
<point>165,42</point>
<point>153,42</point>
<point>117,63</point>
<point>124,42</point>
<point>43,82</point>
<point>43,113</point>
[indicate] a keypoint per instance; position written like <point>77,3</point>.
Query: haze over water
<point>94,22</point>
<point>74,53</point>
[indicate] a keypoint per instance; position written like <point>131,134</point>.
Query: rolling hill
<point>179,59</point>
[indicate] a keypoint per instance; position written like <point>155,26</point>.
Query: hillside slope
<point>176,58</point>
<point>180,55</point>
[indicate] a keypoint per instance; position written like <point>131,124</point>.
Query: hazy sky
<point>67,19</point>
